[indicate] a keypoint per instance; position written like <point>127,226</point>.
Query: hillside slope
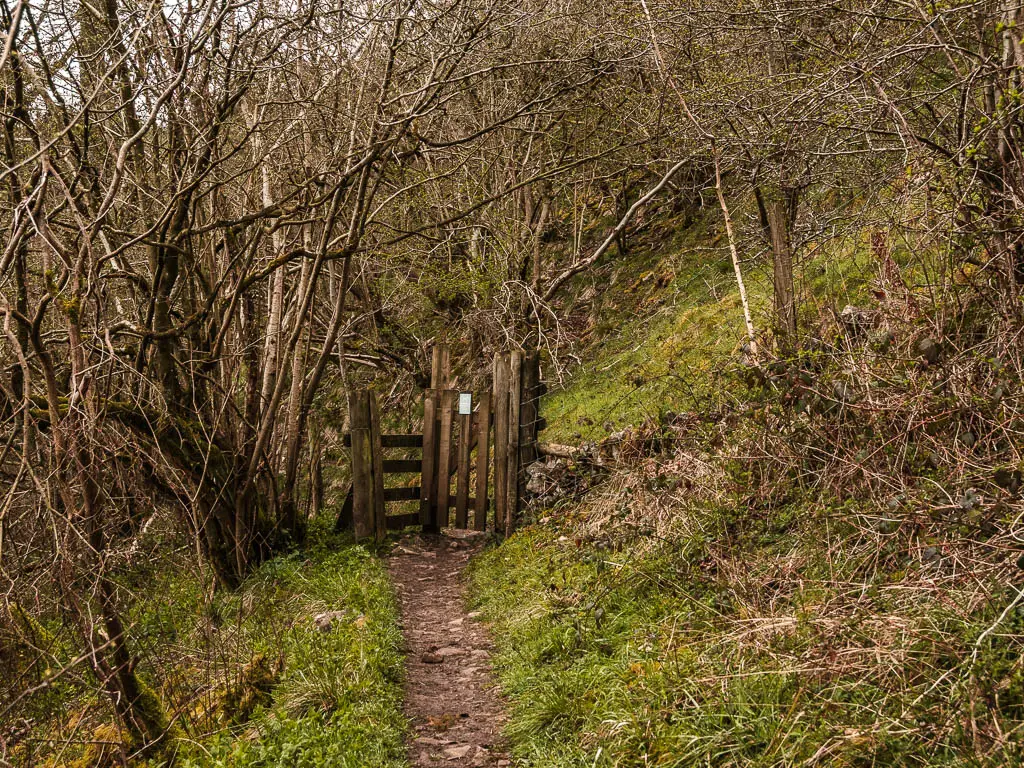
<point>810,563</point>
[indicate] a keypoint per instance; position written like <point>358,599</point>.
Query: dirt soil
<point>450,695</point>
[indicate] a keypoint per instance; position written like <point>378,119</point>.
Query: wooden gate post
<point>444,458</point>
<point>432,401</point>
<point>440,367</point>
<point>428,472</point>
<point>515,393</point>
<point>483,447</point>
<point>500,440</point>
<point>362,465</point>
<point>377,465</point>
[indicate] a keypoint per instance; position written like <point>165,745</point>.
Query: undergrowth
<point>816,560</point>
<point>772,641</point>
<point>300,667</point>
<point>332,693</point>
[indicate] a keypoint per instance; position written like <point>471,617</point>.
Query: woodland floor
<point>450,696</point>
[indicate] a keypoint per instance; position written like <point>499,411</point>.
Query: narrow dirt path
<point>450,696</point>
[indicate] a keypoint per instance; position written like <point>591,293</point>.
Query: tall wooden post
<point>440,367</point>
<point>377,465</point>
<point>515,394</point>
<point>444,456</point>
<point>362,465</point>
<point>483,448</point>
<point>432,402</point>
<point>428,473</point>
<point>501,398</point>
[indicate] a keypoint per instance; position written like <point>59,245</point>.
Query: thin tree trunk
<point>291,524</point>
<point>271,356</point>
<point>734,253</point>
<point>718,185</point>
<point>782,271</point>
<point>82,496</point>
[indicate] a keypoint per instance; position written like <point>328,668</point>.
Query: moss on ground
<point>249,678</point>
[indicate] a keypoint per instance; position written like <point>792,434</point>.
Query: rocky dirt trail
<point>450,696</point>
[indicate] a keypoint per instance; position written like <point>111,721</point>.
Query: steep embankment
<point>808,564</point>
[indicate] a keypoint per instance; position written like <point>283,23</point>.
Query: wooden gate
<point>474,450</point>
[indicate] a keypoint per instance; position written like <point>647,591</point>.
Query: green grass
<point>670,311</point>
<point>763,653</point>
<point>672,322</point>
<point>778,625</point>
<point>246,677</point>
<point>320,698</point>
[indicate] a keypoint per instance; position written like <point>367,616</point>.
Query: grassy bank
<point>324,692</point>
<point>814,562</point>
<point>299,667</point>
<point>786,638</point>
<point>667,319</point>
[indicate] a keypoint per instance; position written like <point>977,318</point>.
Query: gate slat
<point>406,493</point>
<point>402,441</point>
<point>483,446</point>
<point>500,440</point>
<point>390,441</point>
<point>399,466</point>
<point>515,394</point>
<point>462,479</point>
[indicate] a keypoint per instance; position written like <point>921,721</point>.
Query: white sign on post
<point>465,403</point>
